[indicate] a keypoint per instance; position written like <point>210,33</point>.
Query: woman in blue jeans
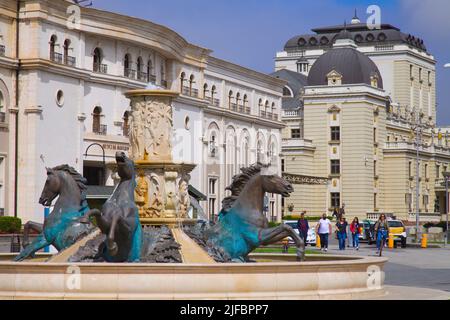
<point>341,227</point>
<point>381,231</point>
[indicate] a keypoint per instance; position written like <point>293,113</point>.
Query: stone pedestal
<point>162,185</point>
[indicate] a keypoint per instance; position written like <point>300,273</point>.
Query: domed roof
<point>354,66</point>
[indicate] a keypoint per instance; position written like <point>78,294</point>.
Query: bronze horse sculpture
<point>119,218</point>
<point>62,227</point>
<point>242,226</point>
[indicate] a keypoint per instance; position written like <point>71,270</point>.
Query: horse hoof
<point>113,249</point>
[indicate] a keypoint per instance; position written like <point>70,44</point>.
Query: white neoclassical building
<point>63,73</point>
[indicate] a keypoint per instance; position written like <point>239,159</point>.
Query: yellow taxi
<point>397,228</point>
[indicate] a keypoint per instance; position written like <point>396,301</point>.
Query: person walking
<point>341,228</point>
<point>335,214</point>
<point>381,231</point>
<point>355,230</point>
<point>324,230</point>
<point>303,226</point>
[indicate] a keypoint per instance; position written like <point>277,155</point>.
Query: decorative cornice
<point>35,109</point>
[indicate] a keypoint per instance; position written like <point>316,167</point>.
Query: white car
<point>310,238</point>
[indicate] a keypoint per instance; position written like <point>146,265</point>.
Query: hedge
<point>10,225</point>
<point>442,224</point>
<point>310,218</point>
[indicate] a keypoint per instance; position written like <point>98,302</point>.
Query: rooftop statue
<point>119,217</point>
<point>62,227</point>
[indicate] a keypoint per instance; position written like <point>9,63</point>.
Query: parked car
<point>310,238</point>
<point>397,228</point>
<point>368,233</point>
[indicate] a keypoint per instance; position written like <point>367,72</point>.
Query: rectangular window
<point>212,186</point>
<point>335,133</point>
<point>410,169</point>
<point>375,168</point>
<point>295,134</point>
<point>375,135</point>
<point>335,166</point>
<point>438,171</point>
<point>426,171</point>
<point>411,71</point>
<point>335,200</point>
<point>212,208</point>
<point>425,202</point>
<point>420,74</point>
<point>282,165</point>
<point>408,201</point>
<point>375,204</point>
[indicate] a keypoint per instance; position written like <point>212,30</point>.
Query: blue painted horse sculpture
<point>119,218</point>
<point>242,226</point>
<point>62,227</point>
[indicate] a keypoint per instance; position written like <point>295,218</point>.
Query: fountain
<point>144,245</point>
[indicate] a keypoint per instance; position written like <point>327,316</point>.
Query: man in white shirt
<point>324,230</point>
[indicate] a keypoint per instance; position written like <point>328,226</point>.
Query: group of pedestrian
<point>324,230</point>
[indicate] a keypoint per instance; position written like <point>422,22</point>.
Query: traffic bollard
<point>424,240</point>
<point>391,241</point>
<point>318,245</point>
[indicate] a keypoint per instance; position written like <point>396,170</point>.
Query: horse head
<point>125,166</point>
<point>51,189</point>
<point>276,184</point>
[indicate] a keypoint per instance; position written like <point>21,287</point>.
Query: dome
<point>354,66</point>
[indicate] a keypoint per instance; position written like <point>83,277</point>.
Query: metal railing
<point>216,103</point>
<point>190,92</point>
<point>2,50</point>
<point>70,61</point>
<point>129,73</point>
<point>233,106</point>
<point>164,85</point>
<point>151,78</point>
<point>101,130</point>
<point>142,76</point>
<point>101,68</point>
<point>56,57</point>
<point>384,47</point>
<point>247,110</point>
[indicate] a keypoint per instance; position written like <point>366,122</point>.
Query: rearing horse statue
<point>242,226</point>
<point>62,227</point>
<point>119,217</point>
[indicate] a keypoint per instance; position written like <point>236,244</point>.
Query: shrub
<point>310,218</point>
<point>10,225</point>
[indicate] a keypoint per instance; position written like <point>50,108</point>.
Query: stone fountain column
<point>162,185</point>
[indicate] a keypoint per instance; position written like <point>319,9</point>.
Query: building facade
<point>360,106</point>
<point>62,91</point>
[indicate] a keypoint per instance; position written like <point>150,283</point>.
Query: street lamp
<point>418,127</point>
<point>447,177</point>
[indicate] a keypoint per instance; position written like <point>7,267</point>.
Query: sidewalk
<point>412,293</point>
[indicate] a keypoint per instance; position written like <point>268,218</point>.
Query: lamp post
<point>417,126</point>
<point>447,177</point>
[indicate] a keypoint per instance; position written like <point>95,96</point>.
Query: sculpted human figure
<point>137,134</point>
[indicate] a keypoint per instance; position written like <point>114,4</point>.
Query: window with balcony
<point>212,198</point>
<point>260,107</point>
<point>97,127</point>
<point>68,60</point>
<point>162,72</point>
<point>335,133</point>
<point>213,150</point>
<point>425,200</point>
<point>245,104</point>
<point>183,89</point>
<point>98,65</point>
<point>150,75</point>
<point>230,99</point>
<point>127,67</point>
<point>205,92</point>
<point>335,198</point>
<point>55,56</point>
<point>335,167</point>
<point>141,74</point>
<point>259,152</point>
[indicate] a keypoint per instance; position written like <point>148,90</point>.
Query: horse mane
<point>239,182</point>
<point>79,179</point>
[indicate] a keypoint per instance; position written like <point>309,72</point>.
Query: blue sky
<point>250,32</point>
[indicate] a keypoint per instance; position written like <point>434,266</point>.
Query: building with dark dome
<point>351,115</point>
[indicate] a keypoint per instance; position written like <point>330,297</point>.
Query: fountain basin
<point>328,277</point>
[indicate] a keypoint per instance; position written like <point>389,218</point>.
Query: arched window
<point>182,80</point>
<point>205,92</point>
<point>53,55</point>
<point>2,109</point>
<point>215,101</point>
<point>140,70</point>
<point>127,72</point>
<point>259,151</point>
<point>230,99</point>
<point>96,120</point>
<point>163,74</point>
<point>245,104</point>
<point>260,107</point>
<point>287,92</point>
<point>126,127</point>
<point>98,60</point>
<point>191,85</point>
<point>150,76</point>
<point>68,59</point>
<point>238,99</point>
<point>274,111</point>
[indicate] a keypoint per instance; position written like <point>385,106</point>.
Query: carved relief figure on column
<point>137,132</point>
<point>184,198</point>
<point>141,195</point>
<point>156,200</point>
